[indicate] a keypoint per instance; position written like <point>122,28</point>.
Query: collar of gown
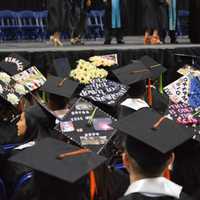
<point>155,187</point>
<point>135,103</point>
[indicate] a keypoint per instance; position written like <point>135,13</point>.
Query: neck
<point>135,177</point>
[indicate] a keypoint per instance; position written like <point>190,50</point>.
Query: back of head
<point>137,90</point>
<point>149,162</point>
<point>57,102</point>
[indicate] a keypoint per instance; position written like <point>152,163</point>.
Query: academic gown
<point>155,14</point>
<point>194,18</point>
<point>123,14</point>
<point>138,196</point>
<point>56,15</point>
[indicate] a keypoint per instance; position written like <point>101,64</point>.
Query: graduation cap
<point>87,125</point>
<point>189,59</point>
<point>60,67</point>
<point>156,69</point>
<point>60,86</point>
<point>154,130</point>
<point>104,91</point>
<point>58,159</point>
<point>14,64</point>
<point>132,73</point>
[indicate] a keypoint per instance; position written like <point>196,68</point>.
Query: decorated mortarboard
<point>185,90</point>
<point>132,73</point>
<point>13,64</point>
<point>31,78</point>
<point>154,130</point>
<point>87,125</point>
<point>60,86</point>
<point>58,159</point>
<point>104,91</point>
<point>60,67</point>
<point>104,60</point>
<point>156,69</point>
<point>10,90</point>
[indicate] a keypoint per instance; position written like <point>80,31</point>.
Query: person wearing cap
<point>115,20</point>
<point>61,169</point>
<point>149,152</point>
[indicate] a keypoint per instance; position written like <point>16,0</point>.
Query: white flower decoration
<point>13,99</point>
<point>20,89</point>
<point>4,77</point>
<point>1,89</point>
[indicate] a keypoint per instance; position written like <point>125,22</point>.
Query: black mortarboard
<point>13,64</point>
<point>132,73</point>
<point>153,130</point>
<point>60,67</point>
<point>60,86</point>
<point>156,69</point>
<point>87,125</point>
<point>183,59</point>
<point>58,159</point>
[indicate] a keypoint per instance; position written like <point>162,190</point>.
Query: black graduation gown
<point>76,17</point>
<point>194,18</point>
<point>138,196</point>
<point>123,13</point>
<point>155,14</point>
<point>56,15</point>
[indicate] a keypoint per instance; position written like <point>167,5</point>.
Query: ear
<point>125,160</point>
<point>171,161</point>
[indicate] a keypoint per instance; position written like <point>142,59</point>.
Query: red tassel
<point>150,100</point>
<point>93,188</point>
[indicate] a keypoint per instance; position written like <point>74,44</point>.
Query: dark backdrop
<point>134,10</point>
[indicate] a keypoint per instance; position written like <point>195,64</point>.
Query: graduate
<point>76,17</point>
<point>154,20</point>
<point>61,169</point>
<point>56,20</point>
<point>135,75</point>
<point>115,20</point>
<point>149,153</point>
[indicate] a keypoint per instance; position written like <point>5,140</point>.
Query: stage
<point>41,53</point>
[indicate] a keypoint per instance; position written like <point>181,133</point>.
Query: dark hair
<point>149,162</point>
<point>58,102</point>
<point>137,89</point>
<point>186,168</point>
<point>33,128</point>
<point>7,111</point>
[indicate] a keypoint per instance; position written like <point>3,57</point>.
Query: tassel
<point>161,84</point>
<point>93,187</point>
<point>150,100</point>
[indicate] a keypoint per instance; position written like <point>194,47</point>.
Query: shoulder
<point>184,196</point>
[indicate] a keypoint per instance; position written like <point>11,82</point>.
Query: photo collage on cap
<point>184,96</point>
<point>87,125</point>
<point>18,78</point>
